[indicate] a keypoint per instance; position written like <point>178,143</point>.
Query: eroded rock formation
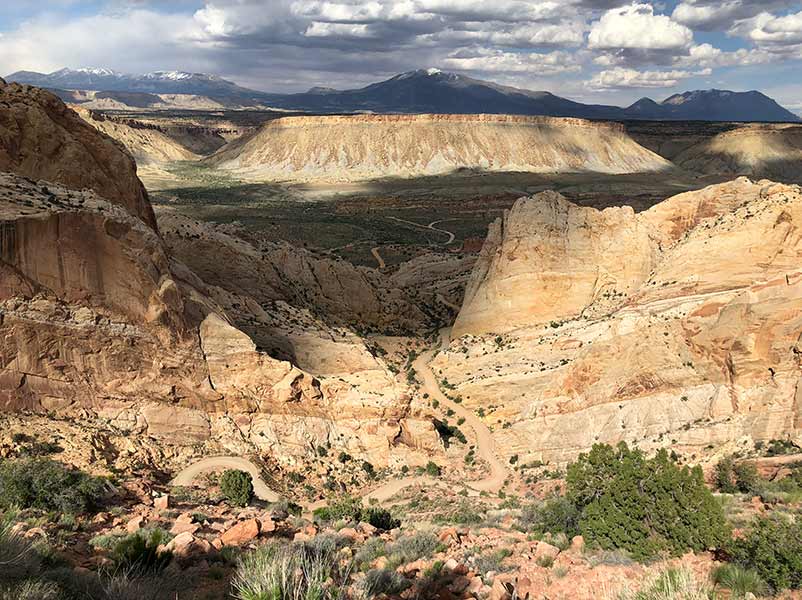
<point>368,147</point>
<point>681,325</point>
<point>41,138</point>
<point>96,315</point>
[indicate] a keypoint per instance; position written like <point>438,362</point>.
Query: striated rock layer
<point>680,326</point>
<point>368,147</point>
<point>756,150</point>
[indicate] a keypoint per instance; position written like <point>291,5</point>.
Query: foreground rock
<point>678,325</point>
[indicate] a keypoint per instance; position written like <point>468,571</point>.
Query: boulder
<point>242,533</point>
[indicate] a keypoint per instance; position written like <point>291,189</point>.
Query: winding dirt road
<point>213,463</point>
<point>431,227</point>
<point>378,257</point>
<point>485,449</point>
<point>485,444</point>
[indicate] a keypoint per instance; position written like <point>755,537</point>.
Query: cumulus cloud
<point>770,30</point>
<point>637,27</point>
<point>711,15</point>
<point>620,78</point>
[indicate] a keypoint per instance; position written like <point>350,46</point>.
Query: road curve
<point>378,257</point>
<point>431,227</point>
<point>485,449</point>
<point>213,463</point>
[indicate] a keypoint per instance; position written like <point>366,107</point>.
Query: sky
<point>604,51</point>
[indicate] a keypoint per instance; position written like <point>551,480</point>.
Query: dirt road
<point>214,463</point>
<point>485,444</point>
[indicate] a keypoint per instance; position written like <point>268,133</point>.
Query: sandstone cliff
<point>97,317</point>
<point>41,138</point>
<point>368,147</point>
<point>680,326</point>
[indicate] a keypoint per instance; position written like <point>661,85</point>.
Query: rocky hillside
<point>367,147</point>
<point>677,325</point>
<point>99,318</point>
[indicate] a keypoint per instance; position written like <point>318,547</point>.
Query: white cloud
<point>707,56</point>
<point>631,78</point>
<point>340,30</point>
<point>773,30</point>
<point>722,15</point>
<point>489,60</point>
<point>637,27</point>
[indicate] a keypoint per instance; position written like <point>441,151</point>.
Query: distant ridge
<point>423,91</point>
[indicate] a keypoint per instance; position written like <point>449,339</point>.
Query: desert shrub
<point>773,548</point>
<point>447,432</point>
<point>555,515</point>
<point>384,582</point>
<point>17,556</point>
<point>492,561</point>
<point>739,581</point>
<point>381,518</point>
<point>138,552</point>
<point>48,485</point>
<point>411,547</point>
<point>723,476</point>
<point>464,513</point>
<point>286,572</point>
<point>372,549</point>
<point>747,479</point>
<point>350,509</point>
<point>433,469</point>
<point>345,508</point>
<point>237,487</point>
<point>29,590</point>
<point>731,476</point>
<point>646,506</point>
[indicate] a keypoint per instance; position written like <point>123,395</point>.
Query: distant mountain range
<point>158,82</point>
<point>422,91</point>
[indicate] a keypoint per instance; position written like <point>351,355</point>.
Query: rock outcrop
<point>97,317</point>
<point>368,147</point>
<point>681,325</point>
<point>41,138</point>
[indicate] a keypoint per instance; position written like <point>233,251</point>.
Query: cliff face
<point>368,147</point>
<point>41,138</point>
<point>97,317</point>
<point>681,325</point>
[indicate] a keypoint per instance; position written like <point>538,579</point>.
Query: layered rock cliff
<point>97,317</point>
<point>678,326</point>
<point>336,148</point>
